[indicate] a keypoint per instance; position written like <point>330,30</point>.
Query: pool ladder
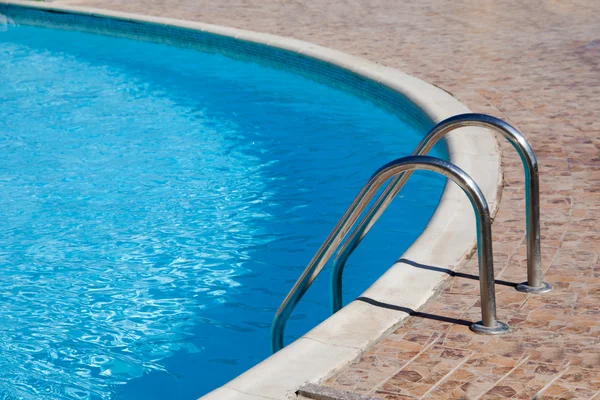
<point>400,170</point>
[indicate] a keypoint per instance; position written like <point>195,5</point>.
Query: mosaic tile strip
<point>307,66</point>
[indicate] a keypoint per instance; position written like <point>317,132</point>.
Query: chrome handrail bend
<point>534,282</point>
<point>488,324</point>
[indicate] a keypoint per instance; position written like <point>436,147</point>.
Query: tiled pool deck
<point>537,65</point>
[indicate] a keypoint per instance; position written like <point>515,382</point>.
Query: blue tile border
<point>304,65</point>
<point>336,341</point>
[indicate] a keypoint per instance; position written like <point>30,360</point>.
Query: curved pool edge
<point>447,241</point>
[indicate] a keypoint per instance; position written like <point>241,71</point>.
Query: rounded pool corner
<point>447,241</point>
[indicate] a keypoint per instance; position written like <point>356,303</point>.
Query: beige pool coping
<point>447,241</point>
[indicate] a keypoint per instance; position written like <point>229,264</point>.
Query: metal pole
<point>488,325</point>
<point>534,282</point>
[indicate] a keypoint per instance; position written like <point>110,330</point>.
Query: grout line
<point>424,349</point>
<point>248,394</point>
<point>569,219</point>
<point>557,377</point>
<point>318,392</point>
<point>330,344</point>
<point>521,361</point>
<point>439,382</point>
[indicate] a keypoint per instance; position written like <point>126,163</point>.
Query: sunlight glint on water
<point>158,203</point>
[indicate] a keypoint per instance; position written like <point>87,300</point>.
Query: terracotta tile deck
<point>537,65</point>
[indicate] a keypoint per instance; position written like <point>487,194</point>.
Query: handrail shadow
<point>412,312</point>
<point>452,273</point>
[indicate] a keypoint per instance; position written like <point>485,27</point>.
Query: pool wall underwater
<point>447,241</point>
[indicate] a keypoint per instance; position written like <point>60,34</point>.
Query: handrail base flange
<point>499,328</point>
<point>525,288</point>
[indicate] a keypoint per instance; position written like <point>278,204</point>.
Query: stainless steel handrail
<point>532,198</point>
<point>488,324</point>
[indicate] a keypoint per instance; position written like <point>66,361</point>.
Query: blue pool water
<point>157,204</point>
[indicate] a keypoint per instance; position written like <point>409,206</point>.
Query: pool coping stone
<point>447,241</point>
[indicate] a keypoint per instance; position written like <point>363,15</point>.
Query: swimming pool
<point>160,202</point>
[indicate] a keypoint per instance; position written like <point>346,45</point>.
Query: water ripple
<point>154,216</point>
